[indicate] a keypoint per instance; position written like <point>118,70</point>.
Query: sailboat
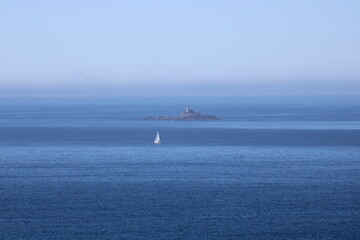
<point>157,138</point>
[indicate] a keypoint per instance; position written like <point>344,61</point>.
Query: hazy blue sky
<point>179,48</point>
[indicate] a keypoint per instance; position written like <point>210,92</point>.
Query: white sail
<point>157,138</point>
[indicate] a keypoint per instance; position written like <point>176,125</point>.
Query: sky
<point>179,48</point>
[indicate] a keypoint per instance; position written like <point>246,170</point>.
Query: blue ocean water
<point>262,172</point>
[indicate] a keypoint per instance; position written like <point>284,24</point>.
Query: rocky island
<point>188,115</point>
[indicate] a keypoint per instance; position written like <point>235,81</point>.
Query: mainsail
<point>157,138</point>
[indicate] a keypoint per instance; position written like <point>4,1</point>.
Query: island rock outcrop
<point>188,115</point>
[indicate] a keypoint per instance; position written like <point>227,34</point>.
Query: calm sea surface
<point>262,172</point>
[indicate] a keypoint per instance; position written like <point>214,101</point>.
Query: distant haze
<point>179,48</point>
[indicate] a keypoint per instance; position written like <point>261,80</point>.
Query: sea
<point>91,171</point>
